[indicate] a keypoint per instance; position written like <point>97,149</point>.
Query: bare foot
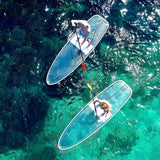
<point>89,42</point>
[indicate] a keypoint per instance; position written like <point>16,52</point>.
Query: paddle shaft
<point>79,45</point>
<point>94,103</point>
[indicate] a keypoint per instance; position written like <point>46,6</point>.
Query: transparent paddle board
<point>69,57</point>
<point>84,124</point>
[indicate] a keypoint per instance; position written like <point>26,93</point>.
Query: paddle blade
<point>83,66</point>
<point>89,86</point>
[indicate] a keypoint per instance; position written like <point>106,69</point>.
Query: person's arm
<point>74,22</point>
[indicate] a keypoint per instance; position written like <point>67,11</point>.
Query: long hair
<point>105,106</point>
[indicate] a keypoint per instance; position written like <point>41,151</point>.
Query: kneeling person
<point>102,109</point>
<point>85,29</point>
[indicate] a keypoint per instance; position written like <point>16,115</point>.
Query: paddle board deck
<point>69,57</point>
<point>85,48</point>
<point>84,124</point>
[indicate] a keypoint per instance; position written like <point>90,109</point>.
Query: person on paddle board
<point>102,109</point>
<point>85,29</point>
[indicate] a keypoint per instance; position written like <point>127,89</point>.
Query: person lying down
<point>103,108</point>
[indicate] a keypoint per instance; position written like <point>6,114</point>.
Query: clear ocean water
<point>33,115</point>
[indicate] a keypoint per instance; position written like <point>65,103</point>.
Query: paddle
<point>90,87</point>
<point>83,64</point>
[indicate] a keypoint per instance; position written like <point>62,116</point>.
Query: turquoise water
<point>33,115</point>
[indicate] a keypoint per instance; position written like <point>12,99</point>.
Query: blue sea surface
<point>33,115</point>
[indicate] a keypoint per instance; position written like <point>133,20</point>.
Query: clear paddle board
<point>84,124</point>
<point>69,57</point>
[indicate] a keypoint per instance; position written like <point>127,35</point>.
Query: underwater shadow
<point>21,119</point>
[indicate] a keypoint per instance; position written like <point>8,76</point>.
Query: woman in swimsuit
<point>102,109</point>
<point>85,28</point>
